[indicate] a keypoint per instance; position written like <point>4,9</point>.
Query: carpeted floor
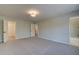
<point>36,46</point>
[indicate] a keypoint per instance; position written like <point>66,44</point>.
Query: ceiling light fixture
<point>33,12</point>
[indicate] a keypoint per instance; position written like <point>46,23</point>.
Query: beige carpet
<point>36,46</point>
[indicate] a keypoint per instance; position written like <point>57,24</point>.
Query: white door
<point>1,30</point>
<point>5,30</point>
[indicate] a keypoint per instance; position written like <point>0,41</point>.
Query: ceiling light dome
<point>33,12</point>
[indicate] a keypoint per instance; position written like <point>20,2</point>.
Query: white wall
<point>56,29</point>
<point>23,28</point>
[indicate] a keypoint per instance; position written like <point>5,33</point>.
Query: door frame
<point>5,30</point>
<point>32,30</point>
<point>9,31</point>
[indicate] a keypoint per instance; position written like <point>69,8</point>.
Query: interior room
<point>39,29</point>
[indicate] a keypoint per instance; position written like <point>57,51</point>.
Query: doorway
<point>7,30</point>
<point>74,31</point>
<point>34,30</point>
<point>11,30</point>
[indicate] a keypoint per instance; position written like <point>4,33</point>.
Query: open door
<point>1,30</point>
<point>5,31</point>
<point>9,30</point>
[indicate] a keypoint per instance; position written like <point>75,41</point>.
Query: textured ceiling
<point>46,10</point>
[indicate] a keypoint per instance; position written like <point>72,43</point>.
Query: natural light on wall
<point>33,12</point>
